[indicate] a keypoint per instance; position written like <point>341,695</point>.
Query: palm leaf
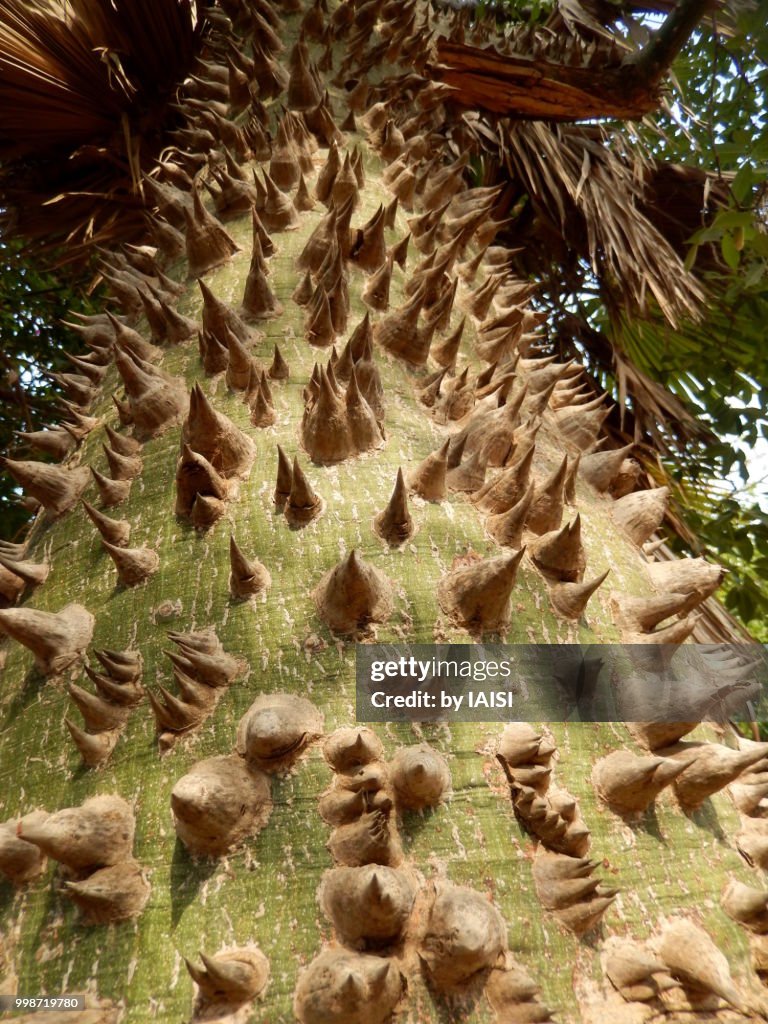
<point>84,86</point>
<point>600,214</point>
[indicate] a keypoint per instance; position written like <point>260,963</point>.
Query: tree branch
<point>608,11</point>
<point>649,65</point>
<point>534,88</point>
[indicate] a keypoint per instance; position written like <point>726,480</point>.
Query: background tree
<point>33,303</point>
<point>288,598</point>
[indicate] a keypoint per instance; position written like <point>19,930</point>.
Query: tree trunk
<point>669,864</point>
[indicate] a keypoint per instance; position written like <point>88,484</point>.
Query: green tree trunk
<point>669,863</point>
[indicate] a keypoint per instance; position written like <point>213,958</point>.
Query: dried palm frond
<point>593,198</point>
<point>84,93</point>
<point>677,199</point>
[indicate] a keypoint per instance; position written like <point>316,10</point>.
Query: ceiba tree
<point>320,408</point>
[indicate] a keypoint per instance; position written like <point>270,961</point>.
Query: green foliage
<point>718,119</point>
<point>32,343</point>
